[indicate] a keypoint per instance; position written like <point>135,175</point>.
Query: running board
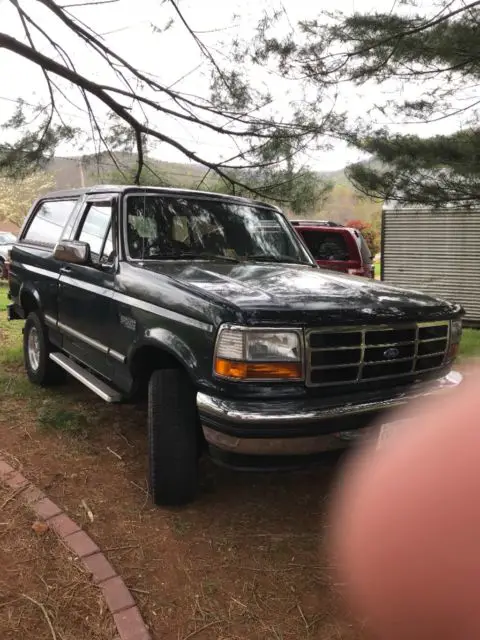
<point>85,377</point>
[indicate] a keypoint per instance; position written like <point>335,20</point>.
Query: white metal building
<point>436,251</point>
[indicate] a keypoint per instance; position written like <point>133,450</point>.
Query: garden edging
<point>119,600</point>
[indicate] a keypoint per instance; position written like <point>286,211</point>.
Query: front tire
<point>172,438</point>
<point>36,349</point>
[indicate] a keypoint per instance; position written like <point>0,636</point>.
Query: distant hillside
<point>346,203</point>
<point>6,225</point>
<point>70,172</point>
<point>342,205</point>
<point>336,177</point>
<point>73,172</point>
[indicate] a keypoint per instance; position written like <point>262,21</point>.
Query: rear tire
<point>172,438</point>
<point>36,349</point>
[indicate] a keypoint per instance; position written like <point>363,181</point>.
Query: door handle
<point>65,270</point>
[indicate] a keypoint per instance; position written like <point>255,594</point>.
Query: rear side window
<point>326,245</point>
<point>48,222</point>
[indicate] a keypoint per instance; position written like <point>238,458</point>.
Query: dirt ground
<point>43,592</point>
<point>245,561</point>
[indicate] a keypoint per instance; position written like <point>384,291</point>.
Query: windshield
<point>7,238</point>
<point>172,227</point>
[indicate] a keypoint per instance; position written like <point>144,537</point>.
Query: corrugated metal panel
<point>437,252</point>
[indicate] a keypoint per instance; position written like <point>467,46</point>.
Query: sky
<point>173,56</point>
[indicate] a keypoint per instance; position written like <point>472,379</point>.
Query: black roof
<point>115,188</point>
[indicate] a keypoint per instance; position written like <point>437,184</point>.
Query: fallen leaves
<point>39,527</point>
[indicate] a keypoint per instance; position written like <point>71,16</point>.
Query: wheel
<point>172,438</point>
<point>36,348</point>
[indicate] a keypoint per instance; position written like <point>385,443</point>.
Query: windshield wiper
<point>262,257</point>
<point>190,255</point>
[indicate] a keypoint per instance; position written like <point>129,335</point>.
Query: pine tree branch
<point>363,50</point>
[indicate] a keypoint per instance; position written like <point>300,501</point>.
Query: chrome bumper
<point>239,426</point>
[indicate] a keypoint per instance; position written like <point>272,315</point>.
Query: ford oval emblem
<point>391,354</point>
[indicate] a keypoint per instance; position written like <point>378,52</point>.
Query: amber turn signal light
<point>258,370</point>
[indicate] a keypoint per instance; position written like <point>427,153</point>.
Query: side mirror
<point>72,251</point>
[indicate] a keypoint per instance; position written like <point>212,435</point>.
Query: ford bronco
<point>214,308</point>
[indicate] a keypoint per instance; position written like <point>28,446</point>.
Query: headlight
<point>253,354</point>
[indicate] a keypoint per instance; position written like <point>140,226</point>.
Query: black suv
<point>213,307</point>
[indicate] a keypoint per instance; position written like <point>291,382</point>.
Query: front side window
<point>165,227</point>
<point>326,245</point>
<point>96,231</point>
<point>49,222</point>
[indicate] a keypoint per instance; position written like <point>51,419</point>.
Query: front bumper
<point>300,426</point>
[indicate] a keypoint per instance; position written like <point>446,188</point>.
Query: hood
<point>298,293</point>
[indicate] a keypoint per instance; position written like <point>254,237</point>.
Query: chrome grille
<point>348,355</point>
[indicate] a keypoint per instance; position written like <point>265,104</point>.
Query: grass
<point>15,384</point>
<point>470,345</point>
<point>10,334</point>
<point>52,416</point>
<point>180,526</point>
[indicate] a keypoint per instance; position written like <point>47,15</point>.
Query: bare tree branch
<point>87,4</point>
<point>200,44</point>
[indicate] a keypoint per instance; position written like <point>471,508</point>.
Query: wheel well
<point>28,302</point>
<point>146,360</point>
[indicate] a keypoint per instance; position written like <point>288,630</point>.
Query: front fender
<point>170,343</point>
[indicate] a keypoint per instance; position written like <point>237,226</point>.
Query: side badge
<point>128,323</point>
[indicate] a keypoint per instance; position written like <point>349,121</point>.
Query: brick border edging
<point>119,600</point>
